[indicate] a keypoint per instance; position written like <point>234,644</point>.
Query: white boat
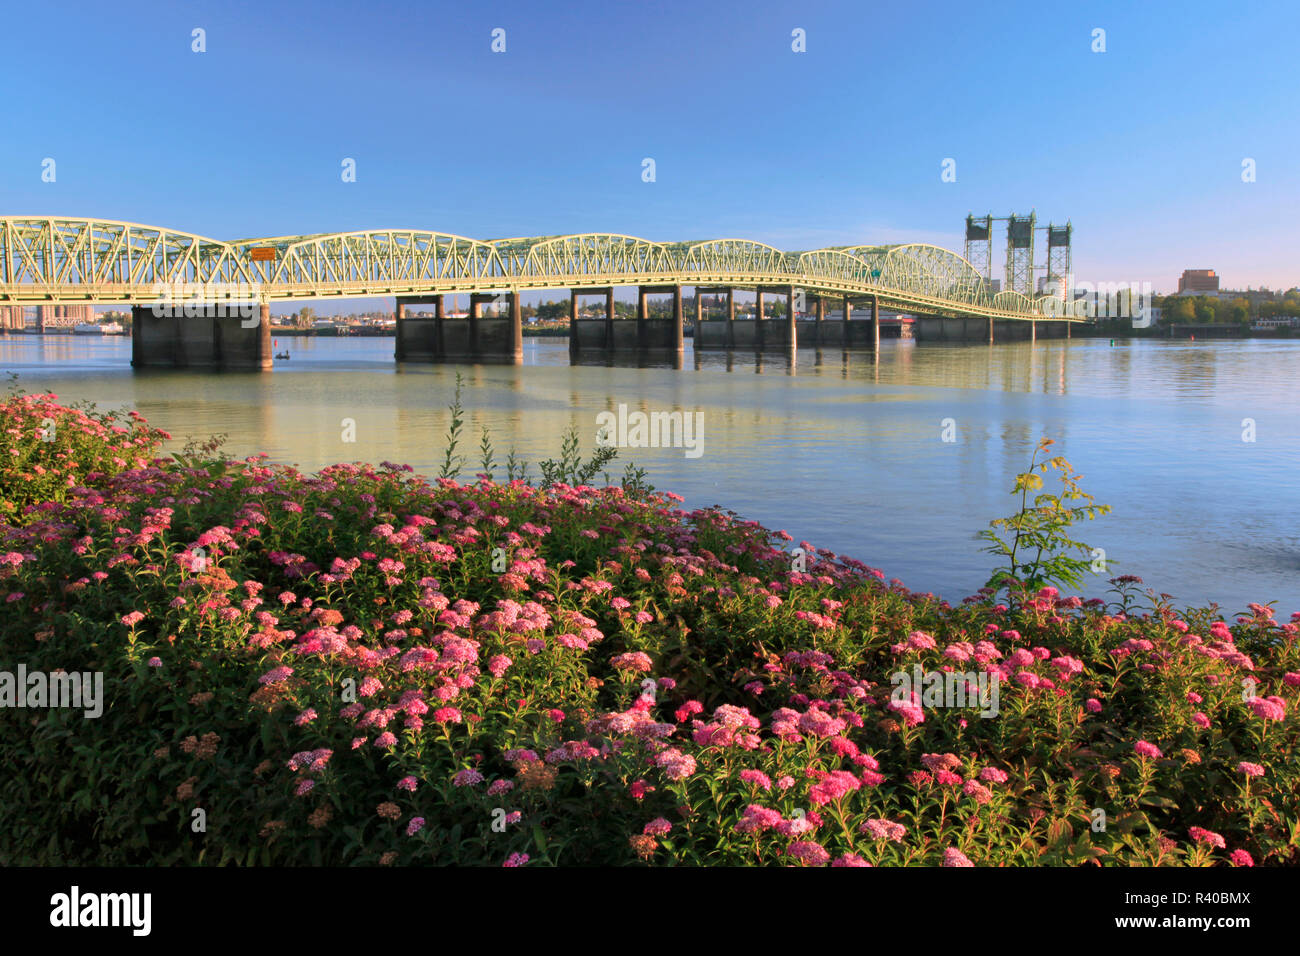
<point>97,328</point>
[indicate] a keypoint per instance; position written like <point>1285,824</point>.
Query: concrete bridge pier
<point>679,334</point>
<point>731,319</point>
<point>875,323</point>
<point>575,348</point>
<point>791,323</point>
<point>642,315</point>
<point>214,339</point>
<point>844,330</point>
<point>496,338</point>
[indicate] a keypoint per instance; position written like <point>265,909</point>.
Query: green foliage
<point>1035,540</point>
<point>451,462</point>
<point>569,468</point>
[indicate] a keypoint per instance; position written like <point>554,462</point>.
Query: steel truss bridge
<point>79,261</point>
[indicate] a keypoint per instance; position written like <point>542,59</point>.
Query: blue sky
<point>1140,146</point>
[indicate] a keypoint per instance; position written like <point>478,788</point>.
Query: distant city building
<point>1254,296</point>
<point>995,286</point>
<point>1277,322</point>
<point>1198,282</point>
<point>13,317</point>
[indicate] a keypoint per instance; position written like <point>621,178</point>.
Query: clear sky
<point>1141,146</point>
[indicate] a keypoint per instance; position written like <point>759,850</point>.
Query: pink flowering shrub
<point>46,448</point>
<point>350,681</point>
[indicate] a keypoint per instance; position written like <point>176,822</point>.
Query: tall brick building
<point>1196,281</point>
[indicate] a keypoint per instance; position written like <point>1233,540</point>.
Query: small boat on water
<point>282,355</point>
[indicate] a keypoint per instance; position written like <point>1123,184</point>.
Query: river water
<point>845,452</point>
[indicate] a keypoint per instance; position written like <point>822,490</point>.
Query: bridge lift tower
<point>1020,254</point>
<point>979,244</point>
<point>1058,260</point>
<point>1019,276</point>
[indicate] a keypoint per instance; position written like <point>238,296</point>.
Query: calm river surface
<point>846,453</point>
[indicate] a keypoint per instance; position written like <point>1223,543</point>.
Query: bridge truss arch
<point>50,259</point>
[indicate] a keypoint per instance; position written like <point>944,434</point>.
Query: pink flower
<point>993,775</point>
<point>1268,708</point>
<point>1240,858</point>
<point>978,791</point>
<point>954,857</point>
<point>676,765</point>
<point>516,859</point>
<point>1145,749</point>
<point>657,827</point>
<point>132,619</point>
<point>385,741</point>
<point>1093,705</point>
<point>757,818</point>
<point>414,827</point>
<point>884,830</point>
<point>833,786</point>
<point>466,778</point>
<point>633,661</point>
<point>407,783</point>
<point>809,853</point>
<point>757,778</point>
<point>1207,837</point>
<point>850,859</point>
<point>1250,769</point>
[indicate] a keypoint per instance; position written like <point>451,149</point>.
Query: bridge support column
<point>609,319</point>
<point>475,313</point>
<point>439,317</point>
<point>844,332</point>
<point>399,330</point>
<point>875,322</point>
<point>731,318</point>
<point>758,319</point>
<point>990,330</point>
<point>516,328</point>
<point>1033,330</point>
<point>205,340</point>
<point>574,348</point>
<point>1069,326</point>
<point>819,328</point>
<point>642,314</point>
<point>137,335</point>
<point>679,335</point>
<point>699,317</point>
<point>792,340</point>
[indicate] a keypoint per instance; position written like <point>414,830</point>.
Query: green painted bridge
<point>70,261</point>
<point>62,261</point>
